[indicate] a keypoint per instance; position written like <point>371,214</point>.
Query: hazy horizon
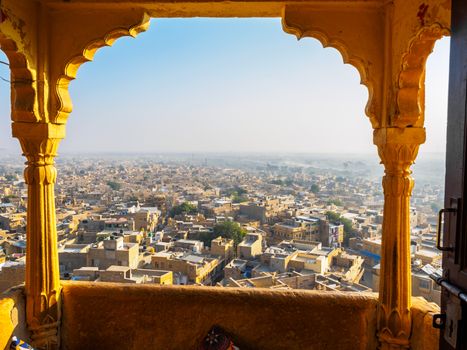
<point>226,86</point>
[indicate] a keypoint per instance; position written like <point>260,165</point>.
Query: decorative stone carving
<point>387,41</point>
<point>39,142</point>
<point>128,23</point>
<point>357,32</point>
<point>411,82</point>
<point>397,149</point>
<point>22,76</point>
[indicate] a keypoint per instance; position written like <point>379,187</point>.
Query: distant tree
<point>231,230</point>
<point>314,188</point>
<point>277,182</point>
<point>206,238</point>
<point>238,198</point>
<point>133,198</point>
<point>332,216</point>
<point>237,190</point>
<point>8,198</point>
<point>10,177</point>
<point>114,185</point>
<point>240,191</point>
<point>335,201</point>
<point>184,208</point>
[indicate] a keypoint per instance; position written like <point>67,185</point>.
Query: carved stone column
<point>397,148</point>
<point>39,142</point>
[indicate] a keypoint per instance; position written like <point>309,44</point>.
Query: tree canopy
<point>227,229</point>
<point>114,185</point>
<point>184,208</point>
<point>314,188</point>
<point>231,230</point>
<point>335,201</point>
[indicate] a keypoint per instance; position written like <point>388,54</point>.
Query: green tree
<point>335,201</point>
<point>184,208</point>
<point>8,198</point>
<point>238,198</point>
<point>10,177</point>
<point>231,230</point>
<point>332,216</point>
<point>206,238</point>
<point>235,190</point>
<point>314,188</point>
<point>240,191</point>
<point>277,182</point>
<point>114,185</point>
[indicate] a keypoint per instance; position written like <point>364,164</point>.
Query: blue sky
<point>225,85</point>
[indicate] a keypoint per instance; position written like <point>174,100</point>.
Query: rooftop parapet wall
<point>12,316</point>
<point>179,317</point>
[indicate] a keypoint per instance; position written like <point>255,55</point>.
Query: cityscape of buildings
<point>248,223</point>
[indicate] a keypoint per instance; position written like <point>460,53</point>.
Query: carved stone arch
<point>411,81</point>
<point>70,67</point>
<point>361,56</point>
<point>22,83</point>
<point>354,61</point>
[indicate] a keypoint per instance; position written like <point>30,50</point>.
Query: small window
<point>424,284</point>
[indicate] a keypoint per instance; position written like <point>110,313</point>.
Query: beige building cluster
<point>189,268</point>
<point>112,251</point>
<point>290,264</point>
<point>123,274</point>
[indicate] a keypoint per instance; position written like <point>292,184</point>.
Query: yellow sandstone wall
<point>117,316</point>
<point>12,317</point>
<point>424,336</point>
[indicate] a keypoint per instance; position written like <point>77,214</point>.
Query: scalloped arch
<point>70,70</point>
<point>357,62</point>
<point>411,81</point>
<point>23,94</point>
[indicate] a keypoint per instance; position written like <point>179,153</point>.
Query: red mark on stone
<point>422,9</point>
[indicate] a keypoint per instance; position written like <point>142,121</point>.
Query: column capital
<point>39,142</point>
<point>398,148</point>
